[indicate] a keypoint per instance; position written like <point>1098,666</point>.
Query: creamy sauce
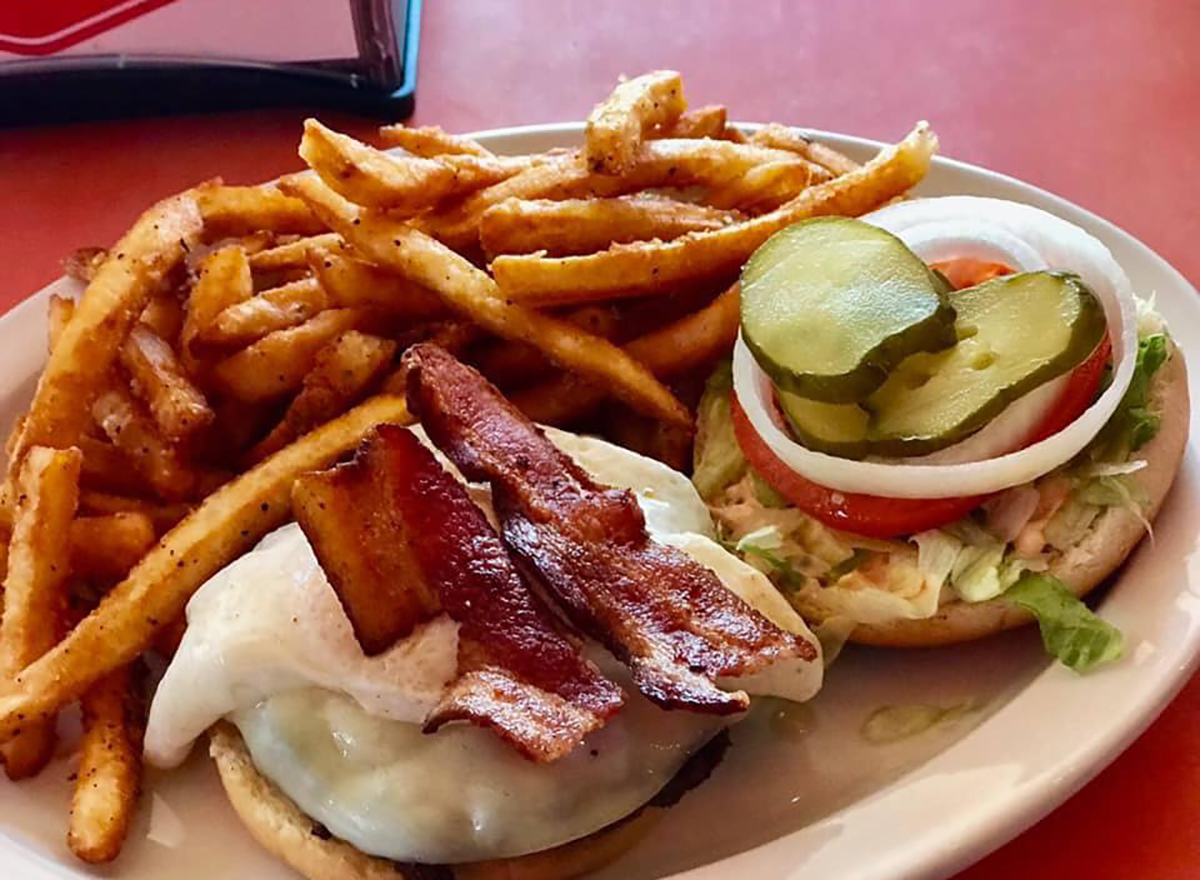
<point>269,647</point>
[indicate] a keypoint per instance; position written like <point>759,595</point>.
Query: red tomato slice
<point>869,515</point>
<point>1079,394</point>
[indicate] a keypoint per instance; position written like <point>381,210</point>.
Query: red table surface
<point>1096,101</point>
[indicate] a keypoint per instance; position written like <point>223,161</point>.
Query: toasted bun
<point>286,832</point>
<point>1112,538</point>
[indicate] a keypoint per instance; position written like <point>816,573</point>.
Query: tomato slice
<point>1078,395</point>
<point>870,515</point>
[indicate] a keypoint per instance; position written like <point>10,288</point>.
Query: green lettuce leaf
<point>718,460</point>
<point>1071,631</point>
<point>1134,424</point>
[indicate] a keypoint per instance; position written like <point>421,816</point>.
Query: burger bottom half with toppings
<point>945,419</point>
<point>566,598</point>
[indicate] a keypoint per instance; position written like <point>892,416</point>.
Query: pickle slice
<point>1016,333</point>
<point>831,305</point>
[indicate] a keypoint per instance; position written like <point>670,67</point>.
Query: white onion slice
<point>1061,245</point>
<point>935,242</point>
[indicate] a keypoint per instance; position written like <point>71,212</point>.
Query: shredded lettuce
<point>718,460</point>
<point>1134,424</point>
<point>1071,631</point>
<point>765,493</point>
<point>1070,522</point>
<point>936,554</point>
<point>764,544</point>
<point>853,562</point>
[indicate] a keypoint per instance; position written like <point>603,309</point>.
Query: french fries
<point>649,267</point>
<point>162,516</point>
<point>164,315</point>
<point>223,280</point>
<point>580,226</point>
<point>224,526</point>
<point>275,309</point>
<point>400,183</point>
<point>470,291</point>
<point>78,367</point>
<point>516,364</point>
<point>178,407</point>
<point>430,141</point>
<point>343,371</point>
<point>107,547</point>
<point>35,587</point>
<point>131,430</point>
<point>108,781</point>
<point>58,314</point>
<point>232,211</point>
<point>766,186</point>
<point>709,121</point>
<point>783,137</point>
<point>691,341</point>
<point>617,124</point>
<point>352,283</point>
<point>278,362</point>
<point>293,254</point>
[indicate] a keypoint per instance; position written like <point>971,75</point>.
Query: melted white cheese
<point>268,646</point>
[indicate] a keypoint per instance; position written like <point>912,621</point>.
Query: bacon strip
<point>519,673</point>
<point>665,616</point>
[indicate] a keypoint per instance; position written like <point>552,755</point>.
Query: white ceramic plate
<point>800,794</point>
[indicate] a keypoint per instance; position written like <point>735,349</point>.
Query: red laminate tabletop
<point>1096,100</point>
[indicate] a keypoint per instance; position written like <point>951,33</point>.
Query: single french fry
<point>783,137</point>
<point>650,267</point>
<point>693,340</point>
<point>108,781</point>
<point>765,187</point>
<point>78,368</point>
<point>516,364</point>
<point>430,141</point>
<point>223,280</point>
<point>278,362</point>
<point>164,315</point>
<point>351,283</point>
<point>84,262</point>
<point>178,407</point>
<point>617,124</point>
<point>131,430</point>
<point>473,294</point>
<point>381,180</point>
<point>109,546</point>
<point>582,226</point>
<point>35,587</point>
<point>227,524</point>
<point>59,312</point>
<point>231,211</point>
<point>162,516</point>
<point>276,309</point>
<point>293,254</point>
<point>341,375</point>
<point>708,121</point>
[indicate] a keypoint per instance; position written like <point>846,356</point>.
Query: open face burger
<point>942,420</point>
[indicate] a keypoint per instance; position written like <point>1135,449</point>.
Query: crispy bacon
<point>662,614</point>
<point>520,674</point>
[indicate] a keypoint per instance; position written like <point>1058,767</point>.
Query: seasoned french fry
<point>134,433</point>
<point>105,467</point>
<point>430,141</point>
<point>341,375</point>
<point>617,124</point>
<point>110,767</point>
<point>78,367</point>
<point>765,187</point>
<point>708,121</point>
<point>164,315</point>
<point>582,226</point>
<point>84,262</point>
<point>162,516</point>
<point>473,294</point>
<point>59,312</point>
<point>178,407</point>
<point>656,266</point>
<point>109,546</point>
<point>226,525</point>
<point>352,283</point>
<point>35,587</point>
<point>293,254</point>
<point>689,342</point>
<point>276,309</point>
<point>515,364</point>
<point>783,137</point>
<point>223,280</point>
<point>381,180</point>
<point>278,362</point>
<point>231,211</point>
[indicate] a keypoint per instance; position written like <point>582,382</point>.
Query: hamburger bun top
<point>1112,538</point>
